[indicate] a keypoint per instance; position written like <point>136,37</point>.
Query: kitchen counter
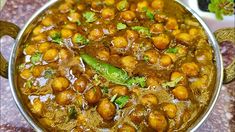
<point>222,118</point>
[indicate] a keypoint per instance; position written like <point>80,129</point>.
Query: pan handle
<point>10,29</point>
<point>227,34</point>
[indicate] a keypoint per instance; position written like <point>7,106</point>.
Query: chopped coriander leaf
<point>113,98</point>
<point>122,101</point>
<point>121,26</point>
<point>79,23</point>
<point>137,81</point>
<point>104,89</point>
<point>29,84</point>
<point>89,16</point>
<point>21,66</point>
<point>79,39</point>
<point>142,30</point>
<point>172,50</point>
<point>35,58</point>
<point>48,73</point>
<point>56,38</point>
<point>172,83</point>
<point>122,5</point>
<point>146,58</point>
<point>72,113</point>
<point>149,13</point>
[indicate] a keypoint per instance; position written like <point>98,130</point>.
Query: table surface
<point>222,118</point>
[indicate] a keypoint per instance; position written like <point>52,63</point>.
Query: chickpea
<point>157,121</point>
<point>175,32</point>
<point>43,47</point>
<point>122,5</point>
<point>103,55</point>
<point>96,5</point>
<point>193,32</point>
<point>129,62</point>
<point>37,106</point>
<point>47,21</point>
<point>184,37</point>
<point>161,42</point>
<point>109,2</point>
<point>76,71</point>
<point>190,68</point>
<point>149,99</point>
<point>128,15</point>
<point>30,49</point>
<point>171,24</point>
<point>64,54</point>
<point>112,29</point>
<point>175,75</point>
<point>40,38</point>
<point>80,84</point>
<point>60,84</point>
<point>160,17</point>
<point>74,17</point>
<point>119,42</point>
<point>70,2</point>
<point>119,90</point>
<point>95,34</point>
<point>108,13</point>
<point>157,28</point>
<point>64,8</point>
<point>70,26</point>
<point>131,35</point>
<point>180,92</point>
<point>151,56</point>
<point>157,4</point>
<point>126,128</point>
<point>65,97</point>
<point>26,74</point>
<point>141,6</point>
<point>106,109</point>
<point>66,33</point>
<point>152,81</point>
<point>93,95</point>
<point>50,55</point>
<point>37,30</point>
<point>37,70</point>
<point>138,115</point>
<point>170,110</point>
<point>165,60</point>
<point>80,7</point>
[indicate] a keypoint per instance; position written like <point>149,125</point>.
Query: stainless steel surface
<point>29,25</point>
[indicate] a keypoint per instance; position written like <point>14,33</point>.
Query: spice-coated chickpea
<point>161,42</point>
<point>37,30</point>
<point>131,35</point>
<point>157,4</point>
<point>93,95</point>
<point>119,90</point>
<point>122,5</point>
<point>71,26</point>
<point>170,110</point>
<point>80,84</point>
<point>157,121</point>
<point>157,28</point>
<point>109,2</point>
<point>184,37</point>
<point>103,55</point>
<point>108,13</point>
<point>129,62</point>
<point>126,128</point>
<point>50,55</point>
<point>65,97</point>
<point>37,106</point>
<point>48,21</point>
<point>26,74</point>
<point>160,17</point>
<point>37,70</point>
<point>43,47</point>
<point>149,99</point>
<point>165,60</point>
<point>64,54</point>
<point>60,84</point>
<point>128,15</point>
<point>171,24</point>
<point>119,42</point>
<point>66,33</point>
<point>152,81</point>
<point>40,38</point>
<point>152,56</point>
<point>190,69</point>
<point>64,8</point>
<point>74,17</point>
<point>138,114</point>
<point>30,49</point>
<point>180,92</point>
<point>142,5</point>
<point>106,109</point>
<point>95,34</point>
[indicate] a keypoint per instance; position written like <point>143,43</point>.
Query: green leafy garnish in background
<point>72,113</point>
<point>122,5</point>
<point>141,81</point>
<point>89,16</point>
<point>49,73</point>
<point>121,26</point>
<point>221,7</point>
<point>122,101</point>
<point>35,58</point>
<point>172,83</point>
<point>149,13</point>
<point>142,30</point>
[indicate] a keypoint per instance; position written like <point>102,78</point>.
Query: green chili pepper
<point>112,73</point>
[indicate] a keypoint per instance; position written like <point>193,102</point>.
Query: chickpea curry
<point>116,65</point>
